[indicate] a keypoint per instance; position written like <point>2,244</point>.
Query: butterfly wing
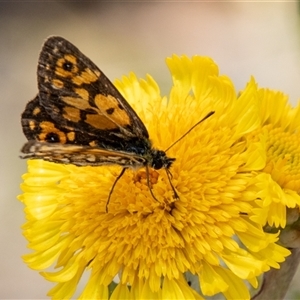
<point>80,155</point>
<point>79,117</point>
<point>76,94</point>
<point>52,142</point>
<point>38,125</point>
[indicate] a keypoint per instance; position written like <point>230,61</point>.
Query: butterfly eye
<point>157,164</point>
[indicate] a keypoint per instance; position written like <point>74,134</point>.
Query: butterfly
<point>79,117</point>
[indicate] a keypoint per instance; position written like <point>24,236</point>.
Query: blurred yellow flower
<point>151,244</point>
<point>279,182</point>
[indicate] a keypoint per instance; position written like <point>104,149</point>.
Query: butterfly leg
<point>113,186</point>
<point>148,183</point>
<point>176,196</point>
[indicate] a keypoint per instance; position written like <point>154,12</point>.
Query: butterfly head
<point>160,160</point>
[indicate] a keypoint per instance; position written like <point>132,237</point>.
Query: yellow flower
<point>150,244</point>
<point>279,182</point>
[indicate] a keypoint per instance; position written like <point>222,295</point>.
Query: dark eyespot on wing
<point>110,111</point>
<point>52,137</point>
<point>67,66</point>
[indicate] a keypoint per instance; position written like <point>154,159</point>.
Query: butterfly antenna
<point>206,117</point>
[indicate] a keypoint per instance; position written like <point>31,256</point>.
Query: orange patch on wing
<point>109,106</point>
<point>87,76</point>
<point>100,122</point>
<point>70,58</point>
<point>71,113</point>
<point>36,111</point>
<point>71,136</point>
<point>32,125</point>
<point>58,84</point>
<point>76,102</point>
<point>93,143</point>
<point>47,128</point>
<point>83,93</point>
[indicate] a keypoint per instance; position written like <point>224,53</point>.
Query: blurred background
<point>244,38</point>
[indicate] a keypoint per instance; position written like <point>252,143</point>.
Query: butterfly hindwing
<point>38,125</point>
<point>80,155</point>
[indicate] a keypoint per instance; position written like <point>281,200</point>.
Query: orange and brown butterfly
<point>79,117</point>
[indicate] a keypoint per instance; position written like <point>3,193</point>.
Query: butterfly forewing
<point>75,93</point>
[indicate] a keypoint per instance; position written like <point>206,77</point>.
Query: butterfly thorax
<point>154,158</point>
